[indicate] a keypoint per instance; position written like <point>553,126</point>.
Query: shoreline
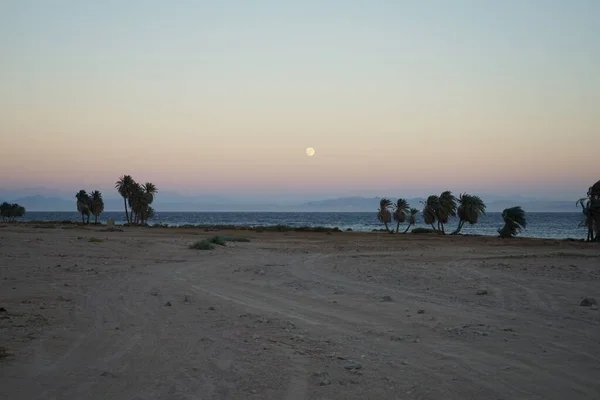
<point>66,224</point>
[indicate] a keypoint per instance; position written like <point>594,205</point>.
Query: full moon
<point>310,152</point>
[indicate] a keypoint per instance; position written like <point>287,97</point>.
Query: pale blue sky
<point>420,95</point>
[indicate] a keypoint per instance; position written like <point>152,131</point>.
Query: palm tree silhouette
<point>383,214</point>
<point>401,209</point>
<point>469,210</point>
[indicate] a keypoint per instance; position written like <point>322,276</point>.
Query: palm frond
<point>594,190</point>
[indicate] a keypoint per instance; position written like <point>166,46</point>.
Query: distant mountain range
<point>214,203</point>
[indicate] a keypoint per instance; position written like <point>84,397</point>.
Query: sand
<point>295,316</point>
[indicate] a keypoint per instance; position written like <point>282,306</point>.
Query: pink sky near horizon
<point>189,111</point>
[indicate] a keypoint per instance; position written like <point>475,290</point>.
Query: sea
<point>540,224</point>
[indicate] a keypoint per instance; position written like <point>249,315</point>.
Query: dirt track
<point>295,316</point>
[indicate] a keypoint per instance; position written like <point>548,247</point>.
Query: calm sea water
<point>542,225</point>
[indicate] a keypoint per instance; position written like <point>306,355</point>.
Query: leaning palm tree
<point>125,186</point>
<point>412,218</point>
<point>446,209</point>
<point>514,222</point>
<point>469,210</point>
<point>96,205</point>
<point>401,210</point>
<point>430,210</point>
<point>383,214</point>
<point>83,205</point>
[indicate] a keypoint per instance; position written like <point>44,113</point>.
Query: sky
<point>403,97</point>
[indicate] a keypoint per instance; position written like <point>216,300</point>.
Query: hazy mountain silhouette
<point>174,202</point>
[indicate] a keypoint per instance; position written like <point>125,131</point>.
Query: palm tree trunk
<point>397,226</point>
<point>95,219</point>
<point>460,225</point>
<point>126,213</point>
<point>82,219</point>
<point>386,226</point>
<point>407,228</point>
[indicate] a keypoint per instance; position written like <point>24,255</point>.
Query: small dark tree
<point>10,212</point>
<point>83,205</point>
<point>590,207</point>
<point>469,210</point>
<point>431,208</point>
<point>96,205</point>
<point>401,210</point>
<point>412,218</point>
<point>514,222</point>
<point>446,209</point>
<point>384,214</point>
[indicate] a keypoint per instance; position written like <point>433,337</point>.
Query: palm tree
<point>146,213</point>
<point>469,210</point>
<point>125,186</point>
<point>96,205</point>
<point>430,210</point>
<point>383,214</point>
<point>141,196</point>
<point>412,218</point>
<point>514,222</point>
<point>401,210</point>
<point>588,218</point>
<point>590,207</point>
<point>83,205</point>
<point>136,197</point>
<point>446,209</point>
<point>150,190</point>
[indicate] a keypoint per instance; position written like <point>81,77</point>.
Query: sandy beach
<point>295,315</point>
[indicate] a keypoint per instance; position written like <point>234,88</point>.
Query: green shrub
<point>422,230</point>
<point>202,245</point>
<point>10,212</point>
<point>217,240</point>
<point>95,240</point>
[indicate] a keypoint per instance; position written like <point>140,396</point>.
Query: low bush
<point>202,245</point>
<point>217,240</point>
<point>422,230</point>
